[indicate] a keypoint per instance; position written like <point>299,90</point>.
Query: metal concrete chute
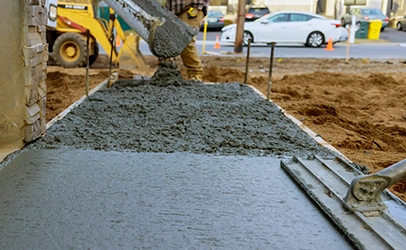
<point>166,35</point>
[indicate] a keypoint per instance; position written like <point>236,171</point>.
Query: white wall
<point>374,4</point>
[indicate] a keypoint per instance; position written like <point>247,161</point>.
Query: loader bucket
<point>166,35</point>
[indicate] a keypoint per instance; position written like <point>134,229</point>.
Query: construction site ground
<point>164,162</point>
<point>357,106</point>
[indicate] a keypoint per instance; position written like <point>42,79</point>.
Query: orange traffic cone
<point>329,45</point>
<point>217,44</point>
<point>119,43</point>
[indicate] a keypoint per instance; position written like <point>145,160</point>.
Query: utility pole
<point>239,36</point>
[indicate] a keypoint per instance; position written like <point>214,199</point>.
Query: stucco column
<point>24,54</point>
<point>12,93</point>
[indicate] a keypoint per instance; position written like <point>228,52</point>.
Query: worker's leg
<point>190,55</point>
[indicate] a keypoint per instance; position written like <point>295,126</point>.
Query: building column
<point>23,72</point>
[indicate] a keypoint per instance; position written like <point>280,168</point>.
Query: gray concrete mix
<point>179,165</point>
<point>167,114</point>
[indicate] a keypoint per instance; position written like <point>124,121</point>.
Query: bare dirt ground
<point>358,106</point>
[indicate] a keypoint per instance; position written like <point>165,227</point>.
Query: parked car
<point>289,27</point>
<point>401,24</point>
<point>214,19</point>
<point>254,13</point>
<point>365,14</point>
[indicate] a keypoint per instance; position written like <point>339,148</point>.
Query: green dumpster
<point>104,13</point>
<point>362,32</point>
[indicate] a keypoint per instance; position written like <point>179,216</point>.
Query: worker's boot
<point>196,78</point>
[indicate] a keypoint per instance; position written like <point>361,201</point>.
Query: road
<point>390,34</point>
<point>394,35</point>
<point>394,48</point>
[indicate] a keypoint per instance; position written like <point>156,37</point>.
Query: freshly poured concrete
<point>164,164</point>
<point>174,116</point>
<point>86,199</point>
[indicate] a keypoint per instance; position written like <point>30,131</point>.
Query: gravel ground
<point>168,114</point>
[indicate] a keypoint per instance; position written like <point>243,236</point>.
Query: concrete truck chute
<point>166,34</point>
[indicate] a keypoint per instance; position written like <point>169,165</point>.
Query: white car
<point>289,27</point>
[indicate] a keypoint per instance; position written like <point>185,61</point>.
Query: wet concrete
<point>85,199</point>
<point>163,164</point>
<point>181,116</point>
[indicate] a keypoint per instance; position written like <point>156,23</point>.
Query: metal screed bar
<point>327,182</point>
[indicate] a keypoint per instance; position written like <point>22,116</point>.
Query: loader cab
<point>52,16</point>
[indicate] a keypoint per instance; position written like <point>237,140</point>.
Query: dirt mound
<point>361,115</point>
<point>216,74</point>
<point>65,86</point>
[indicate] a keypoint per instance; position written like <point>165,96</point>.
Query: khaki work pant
<point>190,55</point>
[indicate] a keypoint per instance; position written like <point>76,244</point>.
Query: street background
<point>391,45</point>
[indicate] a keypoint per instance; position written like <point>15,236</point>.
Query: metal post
<point>87,61</point>
<point>347,52</point>
<point>204,36</point>
<point>270,71</point>
<point>248,60</point>
<point>111,57</point>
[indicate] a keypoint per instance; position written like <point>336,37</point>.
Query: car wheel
<point>315,39</point>
<point>247,35</point>
<point>399,26</point>
<point>382,29</point>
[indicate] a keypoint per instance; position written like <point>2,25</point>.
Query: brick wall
<point>35,52</point>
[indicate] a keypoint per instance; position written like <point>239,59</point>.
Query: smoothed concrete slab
<point>86,199</point>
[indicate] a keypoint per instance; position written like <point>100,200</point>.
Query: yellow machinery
<point>76,24</point>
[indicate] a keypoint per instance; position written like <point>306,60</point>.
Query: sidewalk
<point>75,199</point>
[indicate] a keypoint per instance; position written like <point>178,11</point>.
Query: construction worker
<point>191,12</point>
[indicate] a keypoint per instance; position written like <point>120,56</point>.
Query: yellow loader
<point>73,24</point>
<point>76,24</point>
